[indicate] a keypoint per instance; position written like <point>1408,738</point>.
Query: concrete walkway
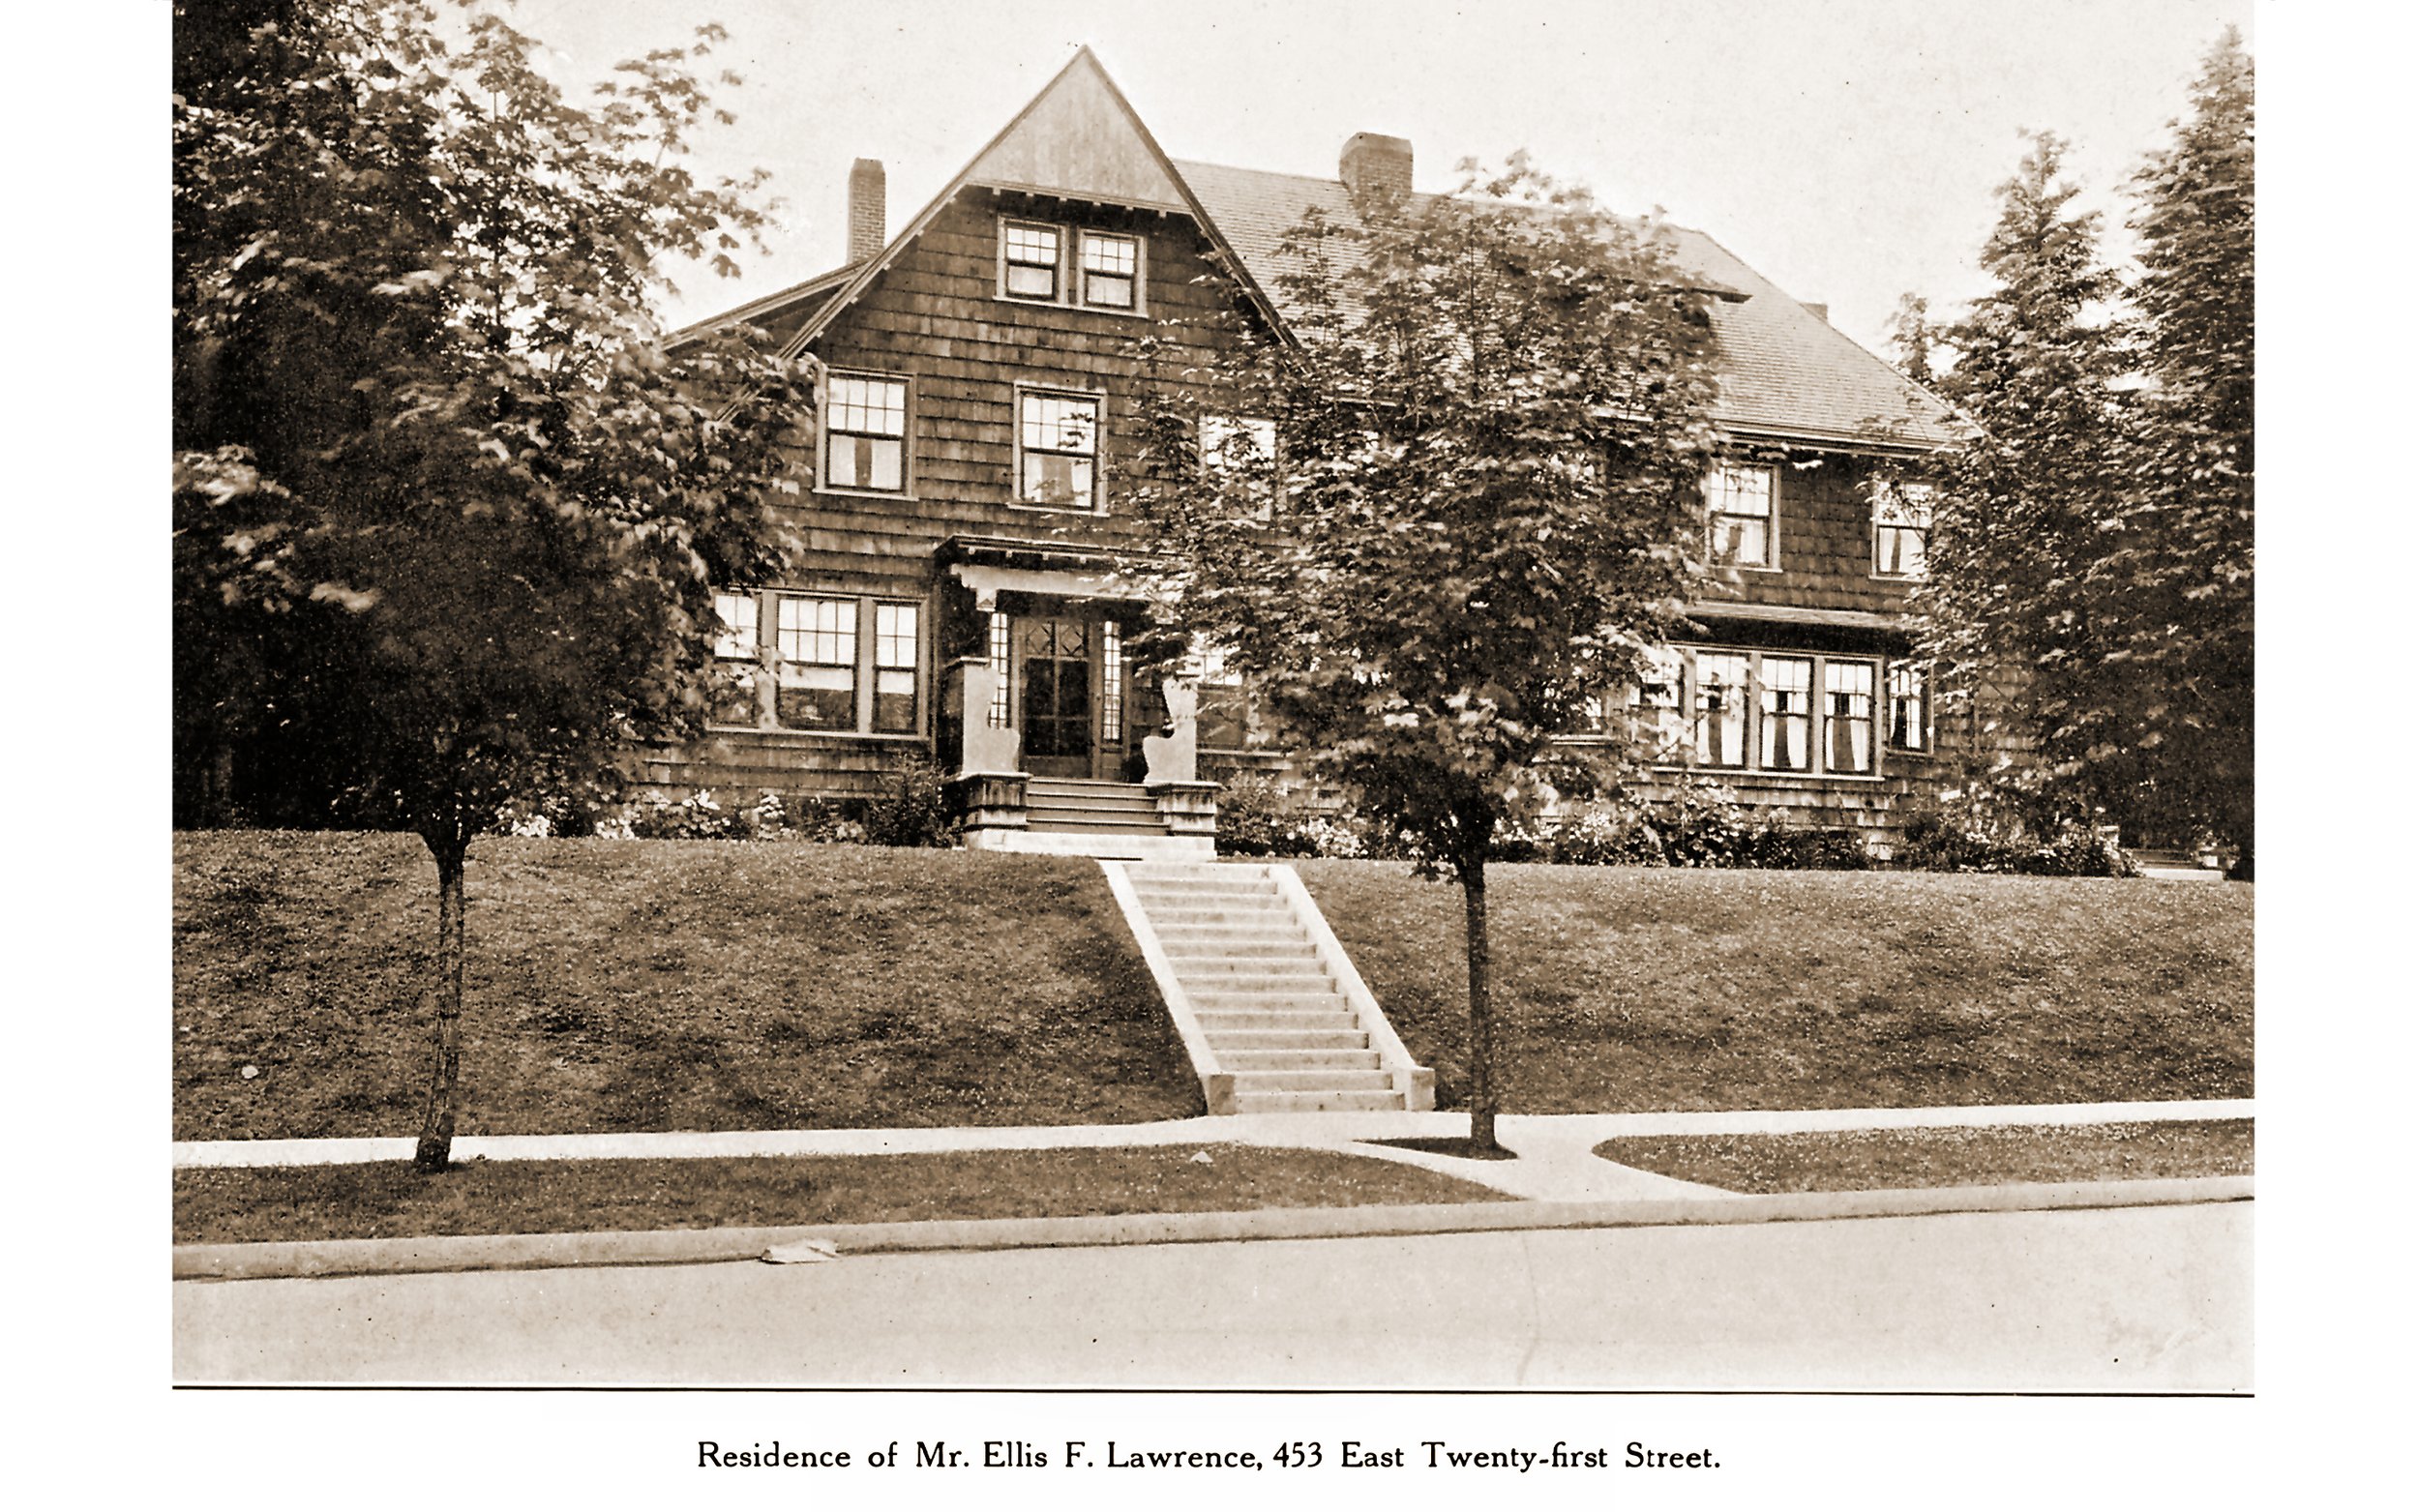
<point>1556,1162</point>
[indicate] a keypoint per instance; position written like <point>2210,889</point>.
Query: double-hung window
<point>1848,717</point>
<point>1903,525</point>
<point>1058,449</point>
<point>1739,516</point>
<point>1109,264</point>
<point>894,668</point>
<point>1909,723</point>
<point>865,433</point>
<point>1787,686</point>
<point>1656,699</point>
<point>1029,255</point>
<point>814,640</point>
<point>1720,723</point>
<point>735,649</point>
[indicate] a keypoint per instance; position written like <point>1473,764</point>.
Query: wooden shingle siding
<point>1826,539</point>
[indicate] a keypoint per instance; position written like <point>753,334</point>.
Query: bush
<point>913,808</point>
<point>1982,831</point>
<point>698,817</point>
<point>1252,809</point>
<point>1800,848</point>
<point>1618,836</point>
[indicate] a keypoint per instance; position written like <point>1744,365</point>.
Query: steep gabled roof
<point>1785,372</point>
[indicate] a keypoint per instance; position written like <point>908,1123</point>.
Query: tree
<point>2096,538</point>
<point>2039,368</point>
<point>1481,505</point>
<point>2177,580</point>
<point>447,518</point>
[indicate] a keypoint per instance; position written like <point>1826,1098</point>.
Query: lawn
<point>1624,990</point>
<point>645,985</point>
<point>1869,1159</point>
<point>251,1205</point>
<point>660,985</point>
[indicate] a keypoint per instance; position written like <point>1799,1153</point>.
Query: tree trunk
<point>1482,1008</point>
<point>436,1128</point>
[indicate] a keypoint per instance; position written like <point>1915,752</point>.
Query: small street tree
<point>1441,517</point>
<point>447,520</point>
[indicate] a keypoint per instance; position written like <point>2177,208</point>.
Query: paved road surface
<point>2127,1299</point>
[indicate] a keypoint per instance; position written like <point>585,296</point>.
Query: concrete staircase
<point>1075,806</point>
<point>1272,1012</point>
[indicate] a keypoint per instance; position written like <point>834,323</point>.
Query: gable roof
<point>1105,138</point>
<point>1785,372</point>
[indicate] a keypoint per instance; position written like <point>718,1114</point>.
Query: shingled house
<point>966,592</point>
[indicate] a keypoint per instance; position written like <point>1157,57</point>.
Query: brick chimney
<point>867,233</point>
<point>1376,163</point>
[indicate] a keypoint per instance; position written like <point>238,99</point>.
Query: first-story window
<point>1721,709</point>
<point>1112,684</point>
<point>816,686</point>
<point>1058,446</point>
<point>1909,728</point>
<point>894,668</point>
<point>1656,698</point>
<point>1788,685</point>
<point>865,433</point>
<point>735,657</point>
<point>1739,515</point>
<point>1848,717</point>
<point>996,648</point>
<point>1903,525</point>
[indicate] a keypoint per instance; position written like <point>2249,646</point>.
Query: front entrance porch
<point>1057,746</point>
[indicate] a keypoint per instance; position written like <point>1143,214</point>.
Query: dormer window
<point>1739,516</point>
<point>1030,267</point>
<point>1108,267</point>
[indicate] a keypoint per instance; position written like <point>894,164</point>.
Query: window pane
<point>894,701</point>
<point>1032,282</point>
<point>1788,684</point>
<point>1721,709</point>
<point>872,406</point>
<point>1109,253</point>
<point>865,461</point>
<point>894,635</point>
<point>1107,292</point>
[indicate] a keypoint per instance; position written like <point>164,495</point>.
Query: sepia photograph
<point>1335,697</point>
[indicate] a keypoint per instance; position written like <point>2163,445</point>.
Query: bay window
<point>837,663</point>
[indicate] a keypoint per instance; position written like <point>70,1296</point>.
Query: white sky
<point>1847,149</point>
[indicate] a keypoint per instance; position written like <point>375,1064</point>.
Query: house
<point>968,585</point>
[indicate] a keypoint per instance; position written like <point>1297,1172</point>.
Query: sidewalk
<point>1556,1161</point>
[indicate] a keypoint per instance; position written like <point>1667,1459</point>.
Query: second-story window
<point>1738,513</point>
<point>1058,448</point>
<point>1902,527</point>
<point>865,433</point>
<point>1109,264</point>
<point>1031,259</point>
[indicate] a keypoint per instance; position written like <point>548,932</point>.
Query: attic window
<point>1031,260</point>
<point>1109,264</point>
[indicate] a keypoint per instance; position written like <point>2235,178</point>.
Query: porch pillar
<point>1187,805</point>
<point>989,787</point>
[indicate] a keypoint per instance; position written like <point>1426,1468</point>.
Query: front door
<point>1053,681</point>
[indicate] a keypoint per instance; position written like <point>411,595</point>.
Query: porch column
<point>990,787</point>
<point>1187,805</point>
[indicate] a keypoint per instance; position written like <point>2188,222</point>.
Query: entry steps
<point>1270,1009</point>
<point>1077,817</point>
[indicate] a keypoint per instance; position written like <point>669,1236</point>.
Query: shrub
<point>1701,826</point>
<point>1802,848</point>
<point>698,817</point>
<point>1617,835</point>
<point>913,808</point>
<point>1980,830</point>
<point>1252,809</point>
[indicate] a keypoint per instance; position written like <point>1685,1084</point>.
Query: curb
<point>700,1246</point>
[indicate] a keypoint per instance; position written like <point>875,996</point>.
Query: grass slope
<point>249,1206</point>
<point>660,985</point>
<point>1624,989</point>
<point>1864,1160</point>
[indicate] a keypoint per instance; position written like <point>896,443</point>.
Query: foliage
<point>1490,412</point>
<point>1985,828</point>
<point>446,515</point>
<point>1252,811</point>
<point>913,807</point>
<point>2094,542</point>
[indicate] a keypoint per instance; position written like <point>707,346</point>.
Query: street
<point>2126,1300</point>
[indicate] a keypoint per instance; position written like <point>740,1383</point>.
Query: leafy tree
<point>2039,368</point>
<point>1481,504</point>
<point>2176,582</point>
<point>447,518</point>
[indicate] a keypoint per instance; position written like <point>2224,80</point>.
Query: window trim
<point>1057,272</point>
<point>1099,505</point>
<point>1772,517</point>
<point>907,436</point>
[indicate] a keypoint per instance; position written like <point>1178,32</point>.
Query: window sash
<point>1721,714</point>
<point>1030,256</point>
<point>1849,718</point>
<point>1740,514</point>
<point>865,433</point>
<point>1110,265</point>
<point>1058,436</point>
<point>1908,729</point>
<point>1786,686</point>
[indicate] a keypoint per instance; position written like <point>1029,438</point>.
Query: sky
<point>1846,149</point>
